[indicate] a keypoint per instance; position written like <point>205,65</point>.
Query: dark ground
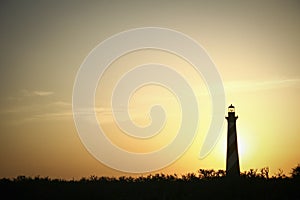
<point>157,186</point>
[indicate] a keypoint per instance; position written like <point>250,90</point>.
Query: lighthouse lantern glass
<point>231,110</point>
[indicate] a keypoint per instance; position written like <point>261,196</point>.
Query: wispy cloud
<point>53,115</point>
<point>240,86</point>
<point>61,103</point>
<point>42,93</point>
<point>56,105</point>
<point>28,93</point>
<point>23,112</point>
<point>61,115</point>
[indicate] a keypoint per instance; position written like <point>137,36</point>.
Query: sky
<point>255,46</point>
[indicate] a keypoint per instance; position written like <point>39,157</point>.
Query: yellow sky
<point>254,45</point>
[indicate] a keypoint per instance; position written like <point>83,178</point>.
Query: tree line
<point>205,184</point>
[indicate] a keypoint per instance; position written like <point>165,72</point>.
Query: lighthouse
<point>232,159</point>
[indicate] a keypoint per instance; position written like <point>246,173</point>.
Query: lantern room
<point>231,109</point>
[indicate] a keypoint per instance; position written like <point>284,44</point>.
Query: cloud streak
<point>27,93</point>
<point>240,86</point>
<point>19,113</point>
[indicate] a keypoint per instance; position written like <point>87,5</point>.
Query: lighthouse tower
<point>232,160</point>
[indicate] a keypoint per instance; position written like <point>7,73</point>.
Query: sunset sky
<point>255,46</point>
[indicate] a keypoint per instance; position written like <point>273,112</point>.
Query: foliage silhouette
<point>296,172</point>
<point>208,183</point>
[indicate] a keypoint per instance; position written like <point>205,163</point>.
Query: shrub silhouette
<point>207,184</point>
<point>296,172</point>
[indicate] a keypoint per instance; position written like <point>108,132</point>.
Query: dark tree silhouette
<point>207,184</point>
<point>296,172</point>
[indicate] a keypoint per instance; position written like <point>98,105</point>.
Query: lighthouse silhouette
<point>232,159</point>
